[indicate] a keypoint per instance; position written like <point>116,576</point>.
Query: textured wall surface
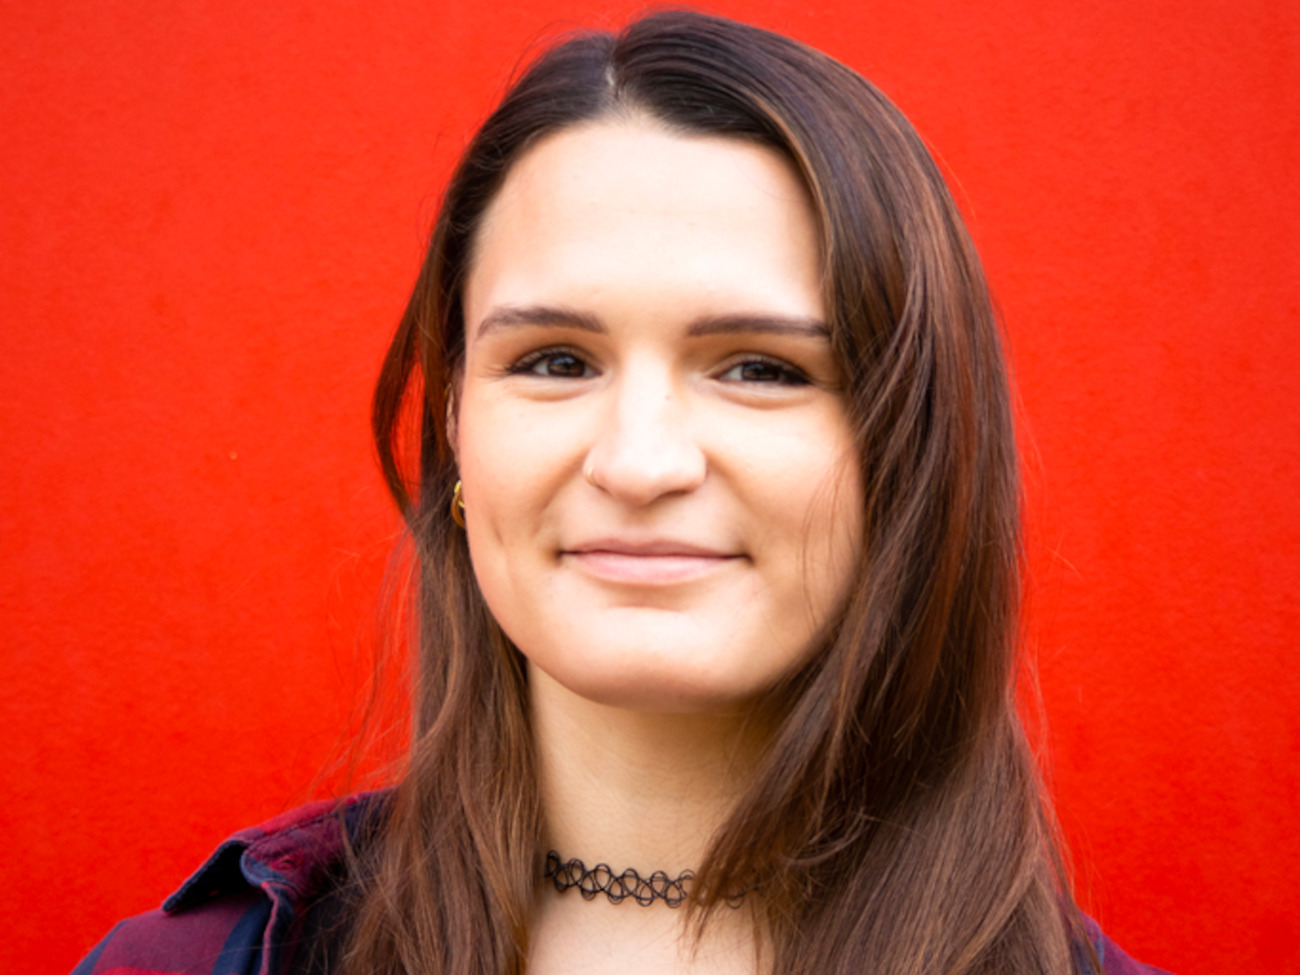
<point>211,215</point>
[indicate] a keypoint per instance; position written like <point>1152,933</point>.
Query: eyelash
<point>529,363</point>
<point>787,375</point>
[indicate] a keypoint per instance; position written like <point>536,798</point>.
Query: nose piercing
<point>589,474</point>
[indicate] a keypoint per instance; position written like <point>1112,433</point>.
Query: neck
<point>631,788</point>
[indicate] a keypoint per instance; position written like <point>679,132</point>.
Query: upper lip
<point>648,547</point>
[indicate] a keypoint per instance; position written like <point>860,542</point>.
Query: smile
<point>648,564</point>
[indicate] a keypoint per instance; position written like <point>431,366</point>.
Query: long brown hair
<point>895,822</point>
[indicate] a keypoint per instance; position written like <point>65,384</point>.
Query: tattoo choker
<point>600,879</point>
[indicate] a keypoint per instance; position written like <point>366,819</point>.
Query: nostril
<point>640,476</point>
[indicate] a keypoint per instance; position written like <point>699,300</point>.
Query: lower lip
<point>647,570</point>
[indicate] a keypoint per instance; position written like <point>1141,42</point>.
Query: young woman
<point>714,503</point>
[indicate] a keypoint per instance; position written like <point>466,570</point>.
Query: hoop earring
<point>458,505</point>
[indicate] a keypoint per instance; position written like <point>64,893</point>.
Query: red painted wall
<point>212,213</point>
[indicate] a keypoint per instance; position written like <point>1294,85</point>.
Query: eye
<point>553,364</point>
<point>758,369</point>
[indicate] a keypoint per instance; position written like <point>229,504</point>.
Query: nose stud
<point>589,474</point>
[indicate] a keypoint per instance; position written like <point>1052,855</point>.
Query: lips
<point>647,562</point>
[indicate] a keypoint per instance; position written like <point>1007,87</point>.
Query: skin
<point>661,492</point>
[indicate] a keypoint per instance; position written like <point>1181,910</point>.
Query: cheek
<point>822,503</point>
<point>495,500</point>
<point>507,464</point>
<point>515,470</point>
<point>809,474</point>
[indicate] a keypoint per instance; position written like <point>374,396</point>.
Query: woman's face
<point>661,487</point>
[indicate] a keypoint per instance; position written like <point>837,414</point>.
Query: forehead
<point>631,202</point>
<point>599,163</point>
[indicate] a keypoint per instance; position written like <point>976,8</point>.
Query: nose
<point>646,449</point>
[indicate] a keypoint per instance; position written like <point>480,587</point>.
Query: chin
<point>636,678</point>
<point>658,697</point>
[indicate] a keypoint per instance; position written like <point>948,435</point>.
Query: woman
<point>715,512</point>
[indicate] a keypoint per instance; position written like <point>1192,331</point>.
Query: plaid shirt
<point>242,912</point>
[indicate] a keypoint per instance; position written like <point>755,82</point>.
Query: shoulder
<point>239,912</point>
<point>1114,960</point>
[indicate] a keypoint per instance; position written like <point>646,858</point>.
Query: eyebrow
<point>511,316</point>
<point>760,324</point>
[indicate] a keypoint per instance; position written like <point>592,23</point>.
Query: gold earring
<point>458,505</point>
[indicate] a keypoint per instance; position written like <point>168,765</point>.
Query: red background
<point>212,214</point>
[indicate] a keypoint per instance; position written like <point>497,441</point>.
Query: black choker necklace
<point>600,879</point>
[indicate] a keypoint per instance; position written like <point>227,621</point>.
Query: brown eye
<point>553,364</point>
<point>768,371</point>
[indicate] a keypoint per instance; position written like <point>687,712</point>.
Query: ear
<point>451,397</point>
